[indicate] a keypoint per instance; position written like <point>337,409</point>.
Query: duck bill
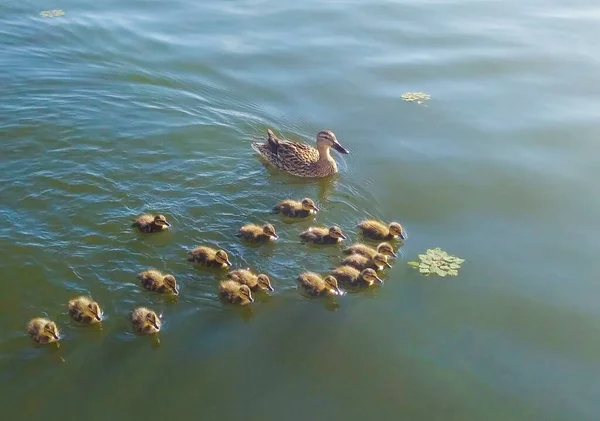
<point>251,299</point>
<point>394,255</point>
<point>316,209</point>
<point>270,288</point>
<point>98,317</point>
<point>342,236</point>
<point>156,326</point>
<point>338,290</point>
<point>403,235</point>
<point>274,236</point>
<point>340,148</point>
<point>379,280</point>
<point>166,224</point>
<point>55,336</point>
<point>228,263</point>
<point>388,265</point>
<point>176,291</point>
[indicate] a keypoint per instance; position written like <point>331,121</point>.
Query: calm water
<point>119,108</point>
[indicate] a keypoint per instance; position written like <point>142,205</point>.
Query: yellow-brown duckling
<point>43,331</point>
<point>145,321</point>
<point>351,276</point>
<point>254,282</point>
<point>323,235</point>
<point>360,262</point>
<point>359,248</point>
<point>295,209</point>
<point>235,292</point>
<point>377,230</point>
<point>155,280</point>
<point>314,284</point>
<point>148,223</point>
<point>210,257</point>
<point>256,233</point>
<point>85,310</point>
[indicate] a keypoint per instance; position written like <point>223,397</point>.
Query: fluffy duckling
<point>235,292</point>
<point>43,331</point>
<point>322,235</point>
<point>351,276</point>
<point>148,223</point>
<point>360,262</point>
<point>255,282</point>
<point>295,209</point>
<point>314,284</point>
<point>359,248</point>
<point>155,280</point>
<point>378,231</point>
<point>252,232</point>
<point>210,257</point>
<point>85,310</point>
<point>145,321</point>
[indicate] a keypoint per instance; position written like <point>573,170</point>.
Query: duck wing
<point>284,154</point>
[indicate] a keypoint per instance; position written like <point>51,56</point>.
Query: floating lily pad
<point>52,13</point>
<point>418,97</point>
<point>437,261</point>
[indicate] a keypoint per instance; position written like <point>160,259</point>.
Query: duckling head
<point>93,310</point>
<point>328,139</point>
<point>381,260</point>
<point>172,284</point>
<point>264,282</point>
<point>246,293</point>
<point>370,276</point>
<point>332,282</point>
<point>161,221</point>
<point>269,230</point>
<point>153,320</point>
<point>336,232</point>
<point>221,257</point>
<point>51,330</point>
<point>386,249</point>
<point>309,205</point>
<point>397,231</point>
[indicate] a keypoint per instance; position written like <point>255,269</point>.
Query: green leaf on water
<point>437,261</point>
<point>421,270</point>
<point>441,272</point>
<point>454,266</point>
<point>414,264</point>
<point>460,261</point>
<point>452,272</point>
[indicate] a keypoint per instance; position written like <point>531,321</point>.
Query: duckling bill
<point>85,310</point>
<point>299,159</point>
<point>148,223</point>
<point>295,209</point>
<point>43,331</point>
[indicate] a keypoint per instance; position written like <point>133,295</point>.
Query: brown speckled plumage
<point>157,281</point>
<point>149,223</point>
<point>256,233</point>
<point>255,282</point>
<point>296,209</point>
<point>85,310</point>
<point>210,257</point>
<point>377,230</point>
<point>235,292</point>
<point>299,159</point>
<point>43,331</point>
<point>350,276</point>
<point>145,321</point>
<point>314,284</point>
<point>323,235</point>
<point>360,262</point>
<point>359,248</point>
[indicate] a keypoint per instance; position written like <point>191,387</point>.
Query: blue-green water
<point>118,108</point>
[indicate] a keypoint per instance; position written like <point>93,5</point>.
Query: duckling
<point>322,235</point>
<point>43,331</point>
<point>378,231</point>
<point>255,282</point>
<point>155,280</point>
<point>359,248</point>
<point>314,284</point>
<point>350,276</point>
<point>145,321</point>
<point>299,159</point>
<point>252,232</point>
<point>210,257</point>
<point>148,223</point>
<point>235,292</point>
<point>361,262</point>
<point>85,310</point>
<point>295,209</point>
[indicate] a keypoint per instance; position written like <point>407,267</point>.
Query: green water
<point>119,108</point>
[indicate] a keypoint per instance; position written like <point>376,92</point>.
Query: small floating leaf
<point>460,261</point>
<point>422,270</point>
<point>452,272</point>
<point>437,261</point>
<point>52,13</point>
<point>414,264</point>
<point>454,266</point>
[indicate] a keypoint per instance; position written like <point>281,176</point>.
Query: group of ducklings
<point>358,269</point>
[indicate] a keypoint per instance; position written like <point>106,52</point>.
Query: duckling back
<point>359,248</point>
<point>235,292</point>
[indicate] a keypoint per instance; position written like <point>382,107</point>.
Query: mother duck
<point>299,159</point>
